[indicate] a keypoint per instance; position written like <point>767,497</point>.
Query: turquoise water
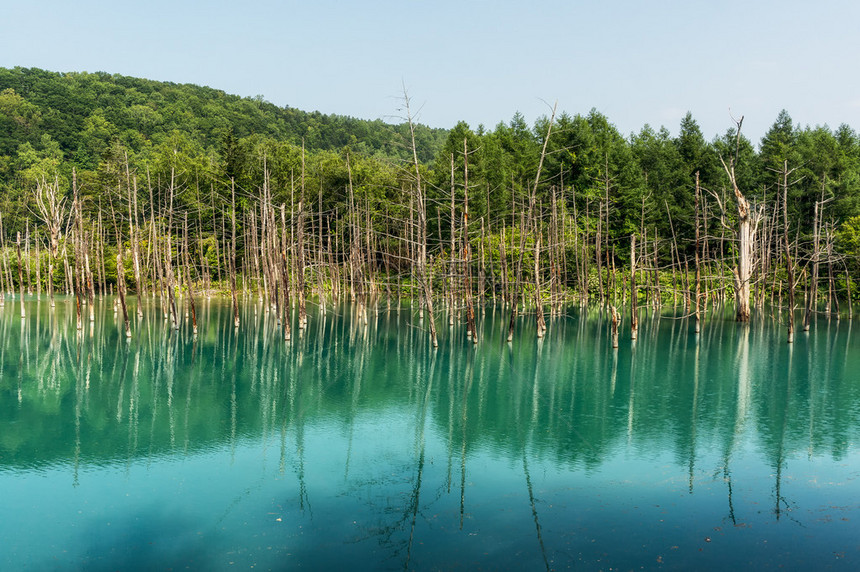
<point>357,446</point>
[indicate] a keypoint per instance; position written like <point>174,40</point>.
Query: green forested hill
<point>83,111</point>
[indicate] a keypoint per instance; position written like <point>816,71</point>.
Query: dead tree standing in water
<point>232,256</point>
<point>634,294</point>
<point>812,294</point>
<point>50,206</point>
<point>120,288</point>
<point>20,275</point>
<point>747,222</point>
<point>789,263</point>
<point>300,236</point>
<point>698,326</point>
<point>467,254</point>
<point>421,202</point>
<point>188,278</point>
<point>518,285</point>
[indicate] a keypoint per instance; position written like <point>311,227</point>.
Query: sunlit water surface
<point>356,446</point>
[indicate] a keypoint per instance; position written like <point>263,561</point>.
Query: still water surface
<point>356,446</point>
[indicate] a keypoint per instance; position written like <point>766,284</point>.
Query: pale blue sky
<point>479,61</point>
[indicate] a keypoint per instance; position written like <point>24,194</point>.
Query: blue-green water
<point>356,446</point>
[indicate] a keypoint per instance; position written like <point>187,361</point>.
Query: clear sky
<point>479,61</point>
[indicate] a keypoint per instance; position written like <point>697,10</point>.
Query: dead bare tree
<point>421,202</point>
<point>120,288</point>
<point>300,235</point>
<point>192,308</point>
<point>634,293</point>
<point>748,218</point>
<point>467,253</point>
<point>232,255</point>
<point>20,274</point>
<point>789,263</point>
<point>51,209</point>
<point>698,326</point>
<point>532,194</point>
<point>812,293</point>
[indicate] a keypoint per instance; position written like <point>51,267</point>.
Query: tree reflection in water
<point>536,453</point>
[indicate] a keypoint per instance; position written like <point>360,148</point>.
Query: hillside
<point>77,108</point>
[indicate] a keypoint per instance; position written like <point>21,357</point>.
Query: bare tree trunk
<point>422,229</point>
<point>285,281</point>
<point>169,284</point>
<point>467,254</point>
<point>232,255</point>
<point>541,322</point>
<point>300,236</point>
<point>658,292</point>
<point>812,294</point>
<point>355,257</point>
<point>139,282</point>
<point>38,269</point>
<point>503,263</point>
<point>285,278</point>
<point>482,273</point>
<point>615,321</point>
<point>581,257</point>
<point>698,325</point>
<point>517,290</point>
<point>88,275</point>
<point>120,288</point>
<point>3,285</point>
<point>27,258</point>
<point>832,300</point>
<point>746,241</point>
<point>188,279</point>
<point>452,265</point>
<point>788,261</point>
<point>598,252</point>
<point>9,282</point>
<point>102,269</point>
<point>320,251</point>
<point>77,284</point>
<point>634,294</point>
<point>20,275</point>
<point>50,207</point>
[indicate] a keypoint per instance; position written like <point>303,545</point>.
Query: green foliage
<point>848,240</point>
<point>84,111</point>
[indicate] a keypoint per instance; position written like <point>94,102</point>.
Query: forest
<point>189,189</point>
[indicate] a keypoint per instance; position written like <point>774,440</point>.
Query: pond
<point>356,445</point>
